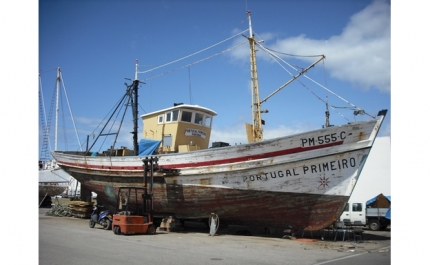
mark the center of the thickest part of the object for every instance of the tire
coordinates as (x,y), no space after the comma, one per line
(92,224)
(151,230)
(117,230)
(107,224)
(374,225)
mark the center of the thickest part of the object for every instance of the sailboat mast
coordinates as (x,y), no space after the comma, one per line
(57,108)
(257,127)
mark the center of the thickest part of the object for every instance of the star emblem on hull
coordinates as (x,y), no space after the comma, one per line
(324,182)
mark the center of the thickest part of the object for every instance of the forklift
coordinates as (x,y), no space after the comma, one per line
(134,205)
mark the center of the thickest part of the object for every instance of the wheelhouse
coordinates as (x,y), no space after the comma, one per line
(180,128)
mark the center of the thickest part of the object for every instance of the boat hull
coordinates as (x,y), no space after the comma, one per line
(53,181)
(301,181)
(51,189)
(305,194)
(233,206)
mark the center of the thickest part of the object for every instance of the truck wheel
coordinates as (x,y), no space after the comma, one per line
(374,225)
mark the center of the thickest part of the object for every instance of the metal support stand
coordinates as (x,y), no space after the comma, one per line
(213,224)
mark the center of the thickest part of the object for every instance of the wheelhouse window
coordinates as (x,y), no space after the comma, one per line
(186,116)
(192,117)
(208,121)
(168,117)
(175,115)
(198,119)
(172,116)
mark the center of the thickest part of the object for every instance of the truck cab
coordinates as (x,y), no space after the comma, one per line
(354,211)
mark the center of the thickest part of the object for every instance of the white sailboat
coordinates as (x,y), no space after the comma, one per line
(53,180)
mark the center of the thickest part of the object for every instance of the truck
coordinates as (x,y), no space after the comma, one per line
(374,213)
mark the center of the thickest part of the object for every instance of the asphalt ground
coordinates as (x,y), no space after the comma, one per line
(69,240)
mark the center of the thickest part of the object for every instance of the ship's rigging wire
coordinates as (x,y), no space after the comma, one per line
(192,53)
(196,62)
(272,54)
(294,55)
(46,146)
(70,110)
(46,121)
(188,65)
(277,59)
(269,51)
(111,113)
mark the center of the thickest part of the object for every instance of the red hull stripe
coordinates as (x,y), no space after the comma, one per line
(211,162)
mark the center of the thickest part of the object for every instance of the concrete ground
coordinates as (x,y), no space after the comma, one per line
(69,240)
(328,239)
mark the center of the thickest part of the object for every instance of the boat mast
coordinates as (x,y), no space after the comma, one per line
(135,109)
(257,128)
(57,108)
(135,86)
(327,114)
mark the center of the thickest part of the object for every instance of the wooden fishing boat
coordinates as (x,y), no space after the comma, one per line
(301,181)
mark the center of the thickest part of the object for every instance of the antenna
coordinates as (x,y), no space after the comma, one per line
(189,84)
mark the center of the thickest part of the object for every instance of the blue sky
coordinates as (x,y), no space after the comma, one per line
(96,43)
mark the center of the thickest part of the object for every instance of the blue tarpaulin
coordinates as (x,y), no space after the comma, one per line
(147,146)
(388,214)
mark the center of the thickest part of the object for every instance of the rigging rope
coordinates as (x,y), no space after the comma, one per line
(276,58)
(294,55)
(120,107)
(70,110)
(196,62)
(191,54)
(273,55)
(63,121)
(46,121)
(44,155)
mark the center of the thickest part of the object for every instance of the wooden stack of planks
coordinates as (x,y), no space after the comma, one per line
(81,209)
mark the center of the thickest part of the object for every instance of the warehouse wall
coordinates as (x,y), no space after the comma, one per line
(376,175)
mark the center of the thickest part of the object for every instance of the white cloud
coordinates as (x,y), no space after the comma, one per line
(361,54)
(282,130)
(233,135)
